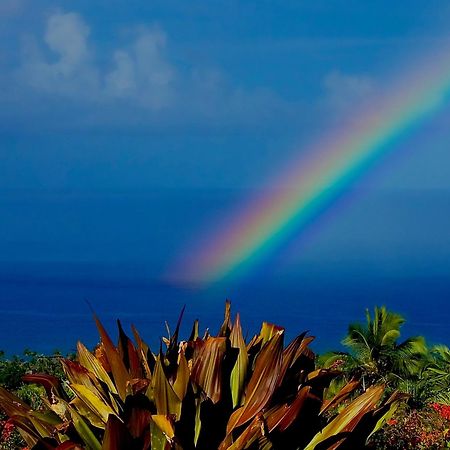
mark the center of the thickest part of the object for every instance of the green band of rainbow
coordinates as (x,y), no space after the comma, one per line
(336,160)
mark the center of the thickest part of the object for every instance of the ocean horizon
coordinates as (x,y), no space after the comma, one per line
(51,311)
(111,251)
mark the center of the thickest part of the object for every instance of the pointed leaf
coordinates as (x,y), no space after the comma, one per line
(165,425)
(166,400)
(118,369)
(239,372)
(226,325)
(207,366)
(90,362)
(342,395)
(268,330)
(96,404)
(262,383)
(349,417)
(84,431)
(182,380)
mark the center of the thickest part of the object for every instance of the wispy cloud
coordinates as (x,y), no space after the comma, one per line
(342,91)
(136,82)
(69,70)
(142,72)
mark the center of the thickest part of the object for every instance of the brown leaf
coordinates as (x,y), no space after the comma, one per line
(226,325)
(116,435)
(342,395)
(349,417)
(118,369)
(207,366)
(262,383)
(283,416)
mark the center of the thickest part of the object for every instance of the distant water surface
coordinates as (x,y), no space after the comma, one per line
(59,251)
(49,315)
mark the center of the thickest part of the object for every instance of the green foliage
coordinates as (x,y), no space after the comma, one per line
(214,392)
(12,371)
(375,354)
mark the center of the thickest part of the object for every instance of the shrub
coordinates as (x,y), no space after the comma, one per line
(205,393)
(412,429)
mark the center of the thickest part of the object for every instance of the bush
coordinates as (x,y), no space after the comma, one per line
(205,393)
(12,371)
(412,429)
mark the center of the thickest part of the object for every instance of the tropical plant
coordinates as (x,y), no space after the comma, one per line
(431,384)
(210,392)
(375,353)
(12,370)
(415,429)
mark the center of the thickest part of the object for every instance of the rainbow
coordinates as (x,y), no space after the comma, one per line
(310,182)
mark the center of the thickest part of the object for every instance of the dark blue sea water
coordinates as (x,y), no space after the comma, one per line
(51,314)
(59,251)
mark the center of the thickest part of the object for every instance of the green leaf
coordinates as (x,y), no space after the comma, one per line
(95,403)
(166,400)
(84,431)
(239,372)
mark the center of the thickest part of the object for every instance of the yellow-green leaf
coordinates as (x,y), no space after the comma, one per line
(95,403)
(349,417)
(239,372)
(84,431)
(88,360)
(165,425)
(182,380)
(166,400)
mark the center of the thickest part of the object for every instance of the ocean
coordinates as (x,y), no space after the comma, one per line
(48,315)
(61,252)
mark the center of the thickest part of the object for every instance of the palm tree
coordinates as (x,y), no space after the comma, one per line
(375,353)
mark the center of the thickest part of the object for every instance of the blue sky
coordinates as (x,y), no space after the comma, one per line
(108,98)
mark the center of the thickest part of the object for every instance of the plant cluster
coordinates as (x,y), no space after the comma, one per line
(12,372)
(412,429)
(209,392)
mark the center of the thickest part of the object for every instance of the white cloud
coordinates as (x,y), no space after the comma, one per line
(344,90)
(69,71)
(142,73)
(135,83)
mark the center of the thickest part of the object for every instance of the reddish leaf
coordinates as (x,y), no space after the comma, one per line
(118,369)
(342,395)
(207,366)
(51,384)
(262,383)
